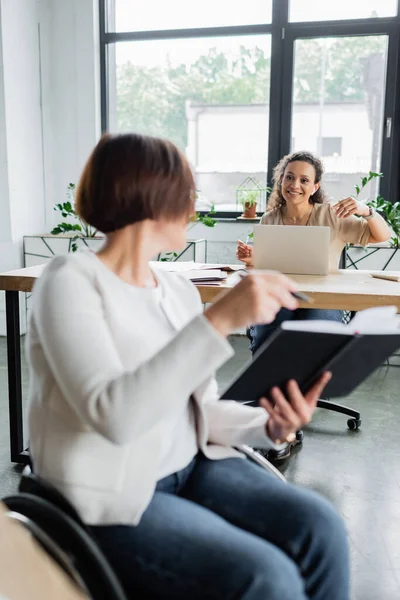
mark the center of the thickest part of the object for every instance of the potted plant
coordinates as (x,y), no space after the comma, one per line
(248,200)
(251,195)
(77,230)
(391,213)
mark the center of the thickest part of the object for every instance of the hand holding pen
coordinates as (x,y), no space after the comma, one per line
(257,298)
(244,253)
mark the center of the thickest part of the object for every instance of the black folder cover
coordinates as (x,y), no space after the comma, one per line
(304,355)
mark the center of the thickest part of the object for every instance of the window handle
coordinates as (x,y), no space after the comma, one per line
(389,127)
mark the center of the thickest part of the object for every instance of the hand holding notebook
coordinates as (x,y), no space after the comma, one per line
(289,412)
(303,350)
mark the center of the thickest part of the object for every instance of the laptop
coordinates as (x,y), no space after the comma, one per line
(292,250)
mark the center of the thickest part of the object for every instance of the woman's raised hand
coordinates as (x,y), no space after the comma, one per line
(255,299)
(350,206)
(244,253)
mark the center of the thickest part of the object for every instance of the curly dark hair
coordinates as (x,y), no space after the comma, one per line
(276,201)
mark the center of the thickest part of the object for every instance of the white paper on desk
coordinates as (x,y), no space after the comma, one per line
(373,321)
(173,266)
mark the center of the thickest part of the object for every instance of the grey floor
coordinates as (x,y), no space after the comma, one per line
(358,471)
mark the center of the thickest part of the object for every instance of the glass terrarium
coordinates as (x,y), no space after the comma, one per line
(251,197)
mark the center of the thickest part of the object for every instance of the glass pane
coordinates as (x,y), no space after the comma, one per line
(316,10)
(338,105)
(210,96)
(135,15)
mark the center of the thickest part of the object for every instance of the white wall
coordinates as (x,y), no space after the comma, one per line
(70,92)
(49,113)
(23,116)
(21,172)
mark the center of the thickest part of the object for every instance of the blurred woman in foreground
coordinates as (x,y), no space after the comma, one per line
(125,418)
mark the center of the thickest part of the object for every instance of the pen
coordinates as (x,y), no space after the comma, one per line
(387,277)
(298,295)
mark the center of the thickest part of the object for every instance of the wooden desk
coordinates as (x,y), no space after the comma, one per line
(344,290)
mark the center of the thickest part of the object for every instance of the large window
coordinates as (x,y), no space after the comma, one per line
(136,15)
(338,106)
(209,96)
(237,86)
(322,10)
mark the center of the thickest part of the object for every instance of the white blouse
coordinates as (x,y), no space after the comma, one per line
(112,371)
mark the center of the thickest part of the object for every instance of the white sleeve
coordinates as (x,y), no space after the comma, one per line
(232,424)
(81,354)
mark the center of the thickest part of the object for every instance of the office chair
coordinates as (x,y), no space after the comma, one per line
(57,527)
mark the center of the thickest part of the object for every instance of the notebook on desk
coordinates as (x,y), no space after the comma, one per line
(303,350)
(205,275)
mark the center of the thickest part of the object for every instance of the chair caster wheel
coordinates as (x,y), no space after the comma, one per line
(299,436)
(353,423)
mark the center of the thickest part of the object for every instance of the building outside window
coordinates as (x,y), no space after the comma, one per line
(202,78)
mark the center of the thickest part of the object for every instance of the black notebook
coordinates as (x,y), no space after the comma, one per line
(303,350)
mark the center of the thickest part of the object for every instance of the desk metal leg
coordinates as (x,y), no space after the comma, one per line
(14,379)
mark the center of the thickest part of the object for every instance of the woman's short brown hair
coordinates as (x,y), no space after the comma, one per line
(130,178)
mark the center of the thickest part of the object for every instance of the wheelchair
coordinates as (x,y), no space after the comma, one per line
(57,527)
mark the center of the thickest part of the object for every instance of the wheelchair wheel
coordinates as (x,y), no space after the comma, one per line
(84,557)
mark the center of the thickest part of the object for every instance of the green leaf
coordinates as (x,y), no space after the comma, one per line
(168,257)
(208,221)
(56,231)
(357,189)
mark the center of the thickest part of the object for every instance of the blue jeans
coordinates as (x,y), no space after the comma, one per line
(259,333)
(226,529)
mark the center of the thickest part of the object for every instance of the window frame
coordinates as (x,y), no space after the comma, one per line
(284,33)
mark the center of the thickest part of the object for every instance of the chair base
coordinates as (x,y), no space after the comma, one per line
(353,423)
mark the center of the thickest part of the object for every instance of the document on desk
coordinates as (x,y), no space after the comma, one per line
(173,266)
(190,265)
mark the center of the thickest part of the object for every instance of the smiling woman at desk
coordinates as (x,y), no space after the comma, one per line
(297,199)
(125,418)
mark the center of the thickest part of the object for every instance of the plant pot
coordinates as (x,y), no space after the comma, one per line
(250,211)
